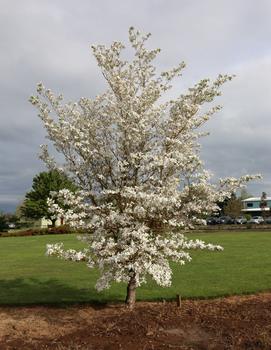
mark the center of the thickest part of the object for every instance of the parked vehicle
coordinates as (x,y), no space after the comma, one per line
(256,220)
(240,220)
(268,220)
(212,220)
(226,220)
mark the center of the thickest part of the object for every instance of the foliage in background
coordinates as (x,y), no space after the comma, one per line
(3,222)
(244,194)
(38,231)
(35,205)
(233,206)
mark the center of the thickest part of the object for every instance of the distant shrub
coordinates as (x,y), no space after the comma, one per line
(59,230)
(38,231)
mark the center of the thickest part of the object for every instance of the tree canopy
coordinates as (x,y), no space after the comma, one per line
(3,222)
(136,161)
(35,205)
(233,206)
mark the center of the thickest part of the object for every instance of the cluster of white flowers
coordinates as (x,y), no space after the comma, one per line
(136,162)
(69,254)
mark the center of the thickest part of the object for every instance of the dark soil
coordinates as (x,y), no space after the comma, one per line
(228,323)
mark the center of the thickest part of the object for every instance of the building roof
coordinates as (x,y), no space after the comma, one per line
(251,199)
(255,209)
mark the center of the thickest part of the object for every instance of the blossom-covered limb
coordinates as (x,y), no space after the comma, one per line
(136,161)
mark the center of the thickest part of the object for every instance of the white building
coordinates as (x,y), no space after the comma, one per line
(253,207)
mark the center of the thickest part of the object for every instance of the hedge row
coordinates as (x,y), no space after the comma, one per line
(259,227)
(38,232)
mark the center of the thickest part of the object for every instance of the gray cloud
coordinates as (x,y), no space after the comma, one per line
(50,41)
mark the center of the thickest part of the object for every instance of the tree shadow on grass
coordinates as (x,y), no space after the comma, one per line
(33,291)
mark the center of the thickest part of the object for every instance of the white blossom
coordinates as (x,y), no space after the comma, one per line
(136,161)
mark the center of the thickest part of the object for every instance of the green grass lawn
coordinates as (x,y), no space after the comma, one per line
(28,276)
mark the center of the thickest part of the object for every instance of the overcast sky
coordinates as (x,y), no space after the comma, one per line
(49,41)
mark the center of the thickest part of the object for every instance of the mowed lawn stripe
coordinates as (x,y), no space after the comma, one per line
(27,276)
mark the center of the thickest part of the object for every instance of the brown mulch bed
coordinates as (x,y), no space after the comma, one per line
(227,323)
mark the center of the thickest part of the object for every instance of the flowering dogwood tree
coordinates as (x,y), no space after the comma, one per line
(136,162)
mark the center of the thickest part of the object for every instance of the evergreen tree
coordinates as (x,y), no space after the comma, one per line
(35,204)
(3,222)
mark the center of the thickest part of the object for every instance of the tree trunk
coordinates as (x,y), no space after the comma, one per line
(53,222)
(131,292)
